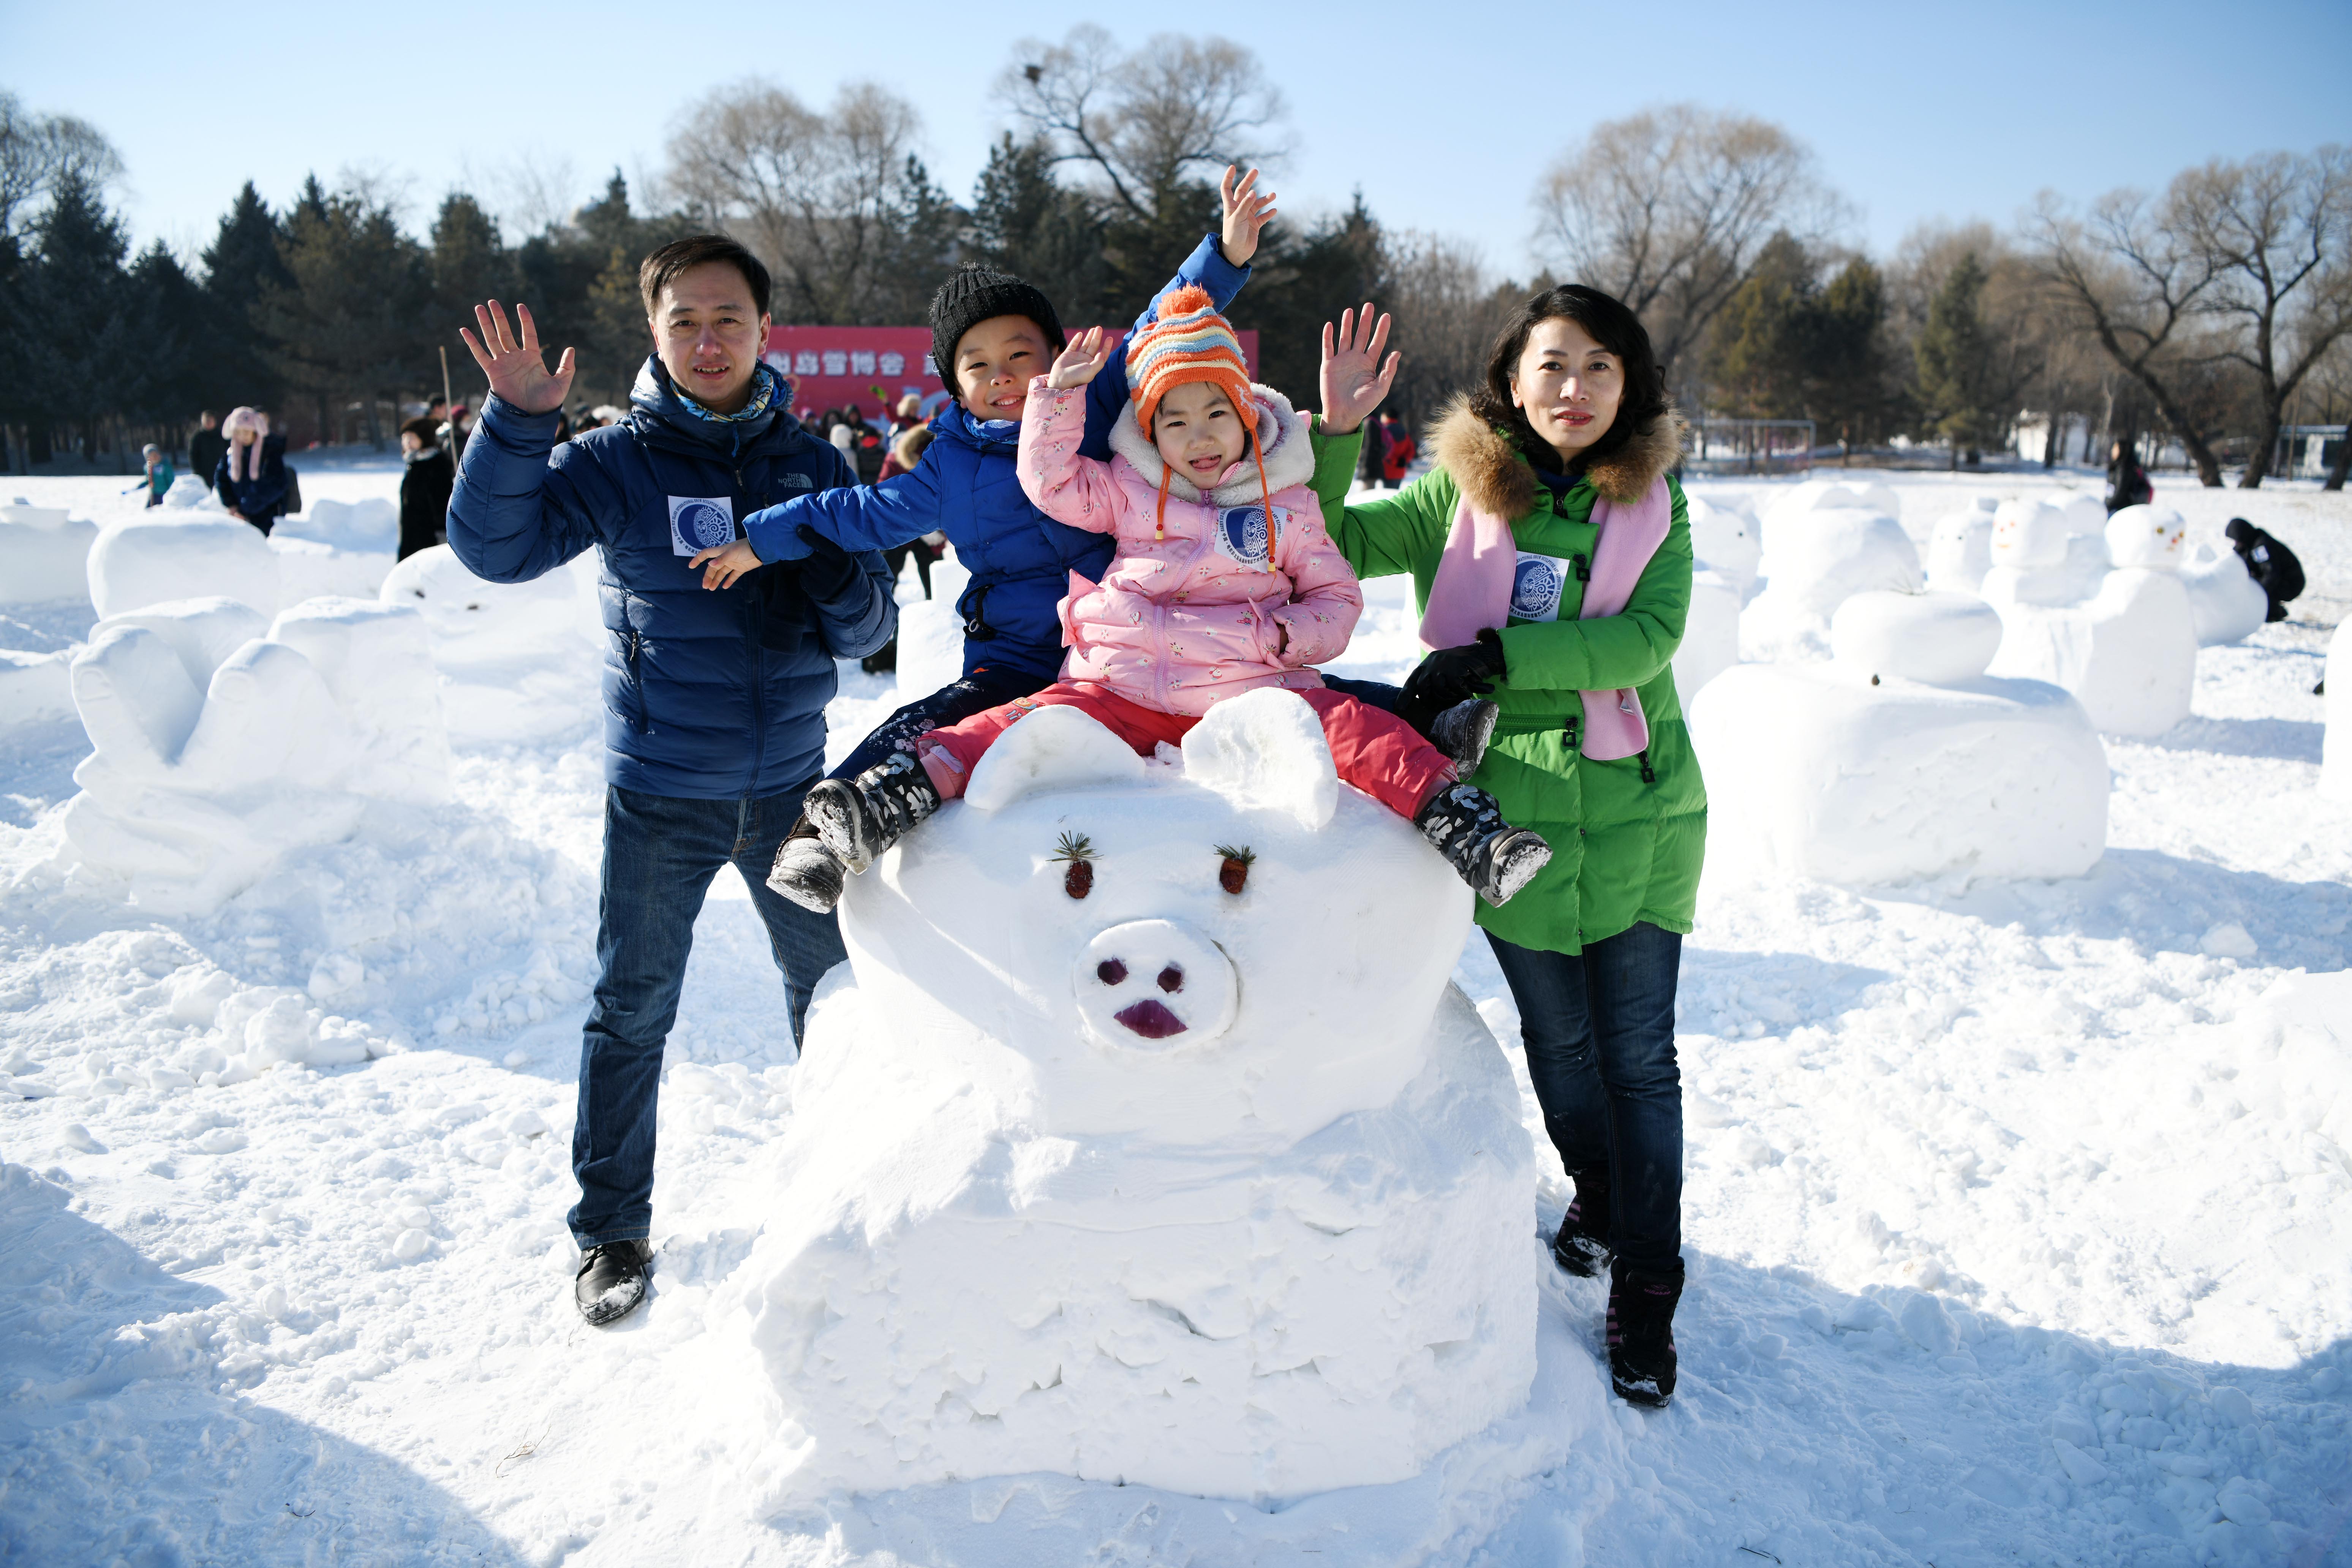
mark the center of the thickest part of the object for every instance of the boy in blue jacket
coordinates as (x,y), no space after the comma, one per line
(990,334)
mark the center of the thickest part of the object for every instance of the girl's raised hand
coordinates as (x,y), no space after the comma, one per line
(517,369)
(1076,365)
(1246,213)
(1354,379)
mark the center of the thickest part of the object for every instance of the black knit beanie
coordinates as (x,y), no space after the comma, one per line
(971,295)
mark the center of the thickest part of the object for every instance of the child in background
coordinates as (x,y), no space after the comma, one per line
(991,334)
(1222,582)
(159,474)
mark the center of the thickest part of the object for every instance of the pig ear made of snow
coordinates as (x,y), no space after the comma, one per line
(1265,751)
(1053,748)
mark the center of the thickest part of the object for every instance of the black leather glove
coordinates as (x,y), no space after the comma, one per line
(1452,674)
(829,570)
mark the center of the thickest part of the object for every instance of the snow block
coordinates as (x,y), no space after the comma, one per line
(1221,1193)
(44,554)
(152,559)
(1710,642)
(35,688)
(516,660)
(215,755)
(1814,560)
(2335,743)
(2225,603)
(2128,654)
(1856,772)
(309,569)
(930,633)
(1725,538)
(1790,506)
(368,527)
(1960,550)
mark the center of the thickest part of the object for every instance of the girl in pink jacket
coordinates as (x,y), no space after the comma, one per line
(1223,580)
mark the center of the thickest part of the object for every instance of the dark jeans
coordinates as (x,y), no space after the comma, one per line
(660,854)
(1377,694)
(982,687)
(1600,1033)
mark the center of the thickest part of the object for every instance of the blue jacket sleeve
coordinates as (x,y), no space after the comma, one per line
(901,509)
(864,613)
(1106,395)
(513,515)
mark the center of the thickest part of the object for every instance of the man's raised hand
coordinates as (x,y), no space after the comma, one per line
(1078,364)
(518,371)
(1246,213)
(1354,379)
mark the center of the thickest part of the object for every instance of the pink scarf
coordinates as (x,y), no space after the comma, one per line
(245,453)
(1472,592)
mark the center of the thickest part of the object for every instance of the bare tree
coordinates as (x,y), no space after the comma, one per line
(2277,232)
(815,195)
(37,150)
(1144,123)
(1668,208)
(2129,278)
(1445,303)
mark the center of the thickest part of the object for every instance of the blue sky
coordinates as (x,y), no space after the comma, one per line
(1445,115)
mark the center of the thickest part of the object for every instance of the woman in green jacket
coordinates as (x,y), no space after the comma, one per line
(1551,552)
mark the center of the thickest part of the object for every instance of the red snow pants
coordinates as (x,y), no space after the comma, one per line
(1378,753)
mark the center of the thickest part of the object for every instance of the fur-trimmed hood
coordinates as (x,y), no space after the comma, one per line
(1496,479)
(1281,429)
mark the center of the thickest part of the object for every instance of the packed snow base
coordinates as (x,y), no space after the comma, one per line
(1976,1169)
(1220,1192)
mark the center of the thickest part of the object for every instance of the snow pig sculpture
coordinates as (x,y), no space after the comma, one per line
(2123,641)
(1151,1142)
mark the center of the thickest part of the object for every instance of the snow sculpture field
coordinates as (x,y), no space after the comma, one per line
(221,743)
(2012,1207)
(1218,1191)
(1899,759)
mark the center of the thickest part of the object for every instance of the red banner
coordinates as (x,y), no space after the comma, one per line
(873,367)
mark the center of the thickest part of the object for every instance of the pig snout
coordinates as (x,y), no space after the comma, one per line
(1155,984)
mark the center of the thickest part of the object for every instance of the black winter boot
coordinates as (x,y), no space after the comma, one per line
(1581,1248)
(1641,1333)
(612,1280)
(806,871)
(857,819)
(1464,825)
(1462,730)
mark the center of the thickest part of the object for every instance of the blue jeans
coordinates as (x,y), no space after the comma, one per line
(1377,694)
(1600,1033)
(660,854)
(982,687)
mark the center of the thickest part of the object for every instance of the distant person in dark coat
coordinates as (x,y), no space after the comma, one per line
(251,478)
(2127,482)
(2268,563)
(206,447)
(425,487)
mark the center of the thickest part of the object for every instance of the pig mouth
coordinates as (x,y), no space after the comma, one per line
(1152,1019)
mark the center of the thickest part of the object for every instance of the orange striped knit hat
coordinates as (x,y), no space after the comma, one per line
(1189,341)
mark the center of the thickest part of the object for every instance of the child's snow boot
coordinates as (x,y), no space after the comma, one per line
(1581,1248)
(806,872)
(1464,825)
(612,1280)
(859,818)
(1641,1333)
(1462,730)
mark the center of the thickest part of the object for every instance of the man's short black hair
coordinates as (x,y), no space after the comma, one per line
(664,266)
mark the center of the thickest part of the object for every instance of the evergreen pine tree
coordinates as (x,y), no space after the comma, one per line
(237,364)
(1955,357)
(80,335)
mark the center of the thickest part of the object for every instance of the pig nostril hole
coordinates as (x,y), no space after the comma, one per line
(1171,979)
(1111,972)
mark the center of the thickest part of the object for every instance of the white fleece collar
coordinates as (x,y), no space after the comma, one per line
(1289,455)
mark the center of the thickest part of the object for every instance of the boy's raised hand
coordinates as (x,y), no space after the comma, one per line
(517,369)
(1078,364)
(1354,379)
(1246,213)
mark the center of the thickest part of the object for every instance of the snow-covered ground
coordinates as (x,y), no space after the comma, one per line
(2018,1216)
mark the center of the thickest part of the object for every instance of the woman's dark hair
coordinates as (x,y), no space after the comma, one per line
(1614,328)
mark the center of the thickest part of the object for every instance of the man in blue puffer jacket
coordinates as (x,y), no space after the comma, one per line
(714,703)
(991,333)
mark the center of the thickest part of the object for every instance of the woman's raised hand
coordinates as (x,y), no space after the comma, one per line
(1246,213)
(518,371)
(1354,379)
(1076,365)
